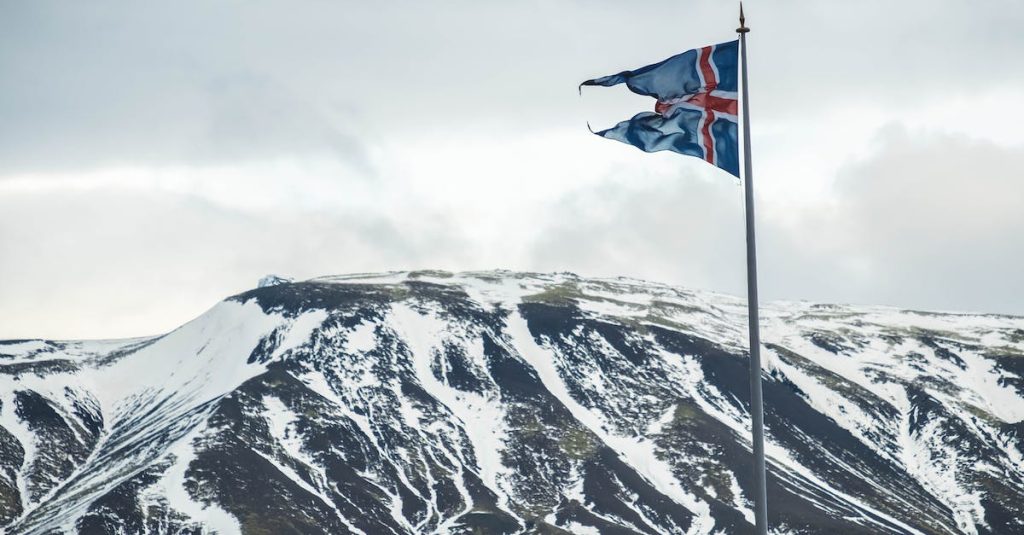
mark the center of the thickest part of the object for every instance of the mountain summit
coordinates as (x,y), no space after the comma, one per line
(501,402)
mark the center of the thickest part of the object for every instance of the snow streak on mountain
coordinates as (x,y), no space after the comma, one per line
(501,402)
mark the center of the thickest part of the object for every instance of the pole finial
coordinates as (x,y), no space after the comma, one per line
(743,22)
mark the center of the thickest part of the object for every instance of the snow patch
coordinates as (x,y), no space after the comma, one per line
(362,338)
(172,486)
(637,453)
(482,419)
(273,280)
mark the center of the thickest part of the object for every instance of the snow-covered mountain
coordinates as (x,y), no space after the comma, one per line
(501,402)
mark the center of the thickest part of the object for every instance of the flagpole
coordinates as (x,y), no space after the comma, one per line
(756,404)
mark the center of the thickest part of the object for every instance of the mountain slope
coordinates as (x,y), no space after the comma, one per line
(501,402)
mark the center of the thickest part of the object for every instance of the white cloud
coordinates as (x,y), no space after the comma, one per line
(107,263)
(154,158)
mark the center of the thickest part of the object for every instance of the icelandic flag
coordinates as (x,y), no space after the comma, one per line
(696,109)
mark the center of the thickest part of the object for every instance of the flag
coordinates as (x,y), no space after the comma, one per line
(696,108)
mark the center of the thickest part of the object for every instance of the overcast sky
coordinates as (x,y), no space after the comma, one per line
(157,157)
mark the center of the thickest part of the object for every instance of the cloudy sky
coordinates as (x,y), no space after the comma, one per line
(156,157)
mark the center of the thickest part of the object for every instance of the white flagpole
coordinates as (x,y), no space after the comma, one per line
(756,405)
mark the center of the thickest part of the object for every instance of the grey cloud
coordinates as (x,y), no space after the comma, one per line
(676,229)
(926,221)
(100,82)
(88,85)
(936,222)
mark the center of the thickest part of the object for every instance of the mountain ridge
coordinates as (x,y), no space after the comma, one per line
(503,402)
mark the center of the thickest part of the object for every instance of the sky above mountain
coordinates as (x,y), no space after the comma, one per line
(156,158)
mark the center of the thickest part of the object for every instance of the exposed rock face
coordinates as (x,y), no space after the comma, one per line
(514,403)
